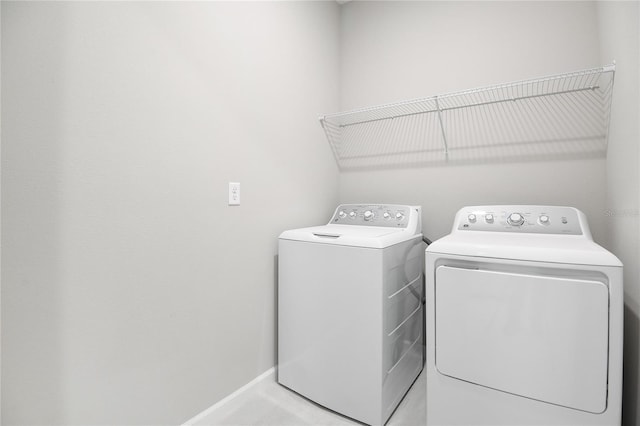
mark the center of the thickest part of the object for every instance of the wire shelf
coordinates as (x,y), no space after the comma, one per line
(554,117)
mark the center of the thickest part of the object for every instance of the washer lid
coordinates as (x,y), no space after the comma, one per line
(347,235)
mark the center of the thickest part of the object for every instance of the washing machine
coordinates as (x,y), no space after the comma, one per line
(350,309)
(524,321)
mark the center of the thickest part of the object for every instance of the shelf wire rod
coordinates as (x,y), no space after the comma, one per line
(522,126)
(325,127)
(413,133)
(425,134)
(494,117)
(495,110)
(486,130)
(560,125)
(485,112)
(592,110)
(608,95)
(550,120)
(511,98)
(444,136)
(365,135)
(410,135)
(578,113)
(475,128)
(380,135)
(595,111)
(513,120)
(516,121)
(388,117)
(598,99)
(514,99)
(566,127)
(486,119)
(500,92)
(529,126)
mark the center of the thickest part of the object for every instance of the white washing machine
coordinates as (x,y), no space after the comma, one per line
(524,321)
(350,309)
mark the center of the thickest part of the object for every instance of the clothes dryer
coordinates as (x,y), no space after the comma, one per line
(524,321)
(350,309)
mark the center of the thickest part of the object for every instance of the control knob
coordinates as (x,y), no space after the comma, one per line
(515,219)
(544,219)
(399,215)
(368,215)
(488,218)
(352,215)
(472,217)
(342,214)
(386,215)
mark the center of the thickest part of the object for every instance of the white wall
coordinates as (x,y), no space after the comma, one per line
(393,51)
(0,220)
(619,25)
(403,50)
(131,292)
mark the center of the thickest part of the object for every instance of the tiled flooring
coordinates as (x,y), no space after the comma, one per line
(268,403)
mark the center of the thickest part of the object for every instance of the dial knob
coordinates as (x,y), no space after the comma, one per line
(342,214)
(515,219)
(386,215)
(368,215)
(488,218)
(352,215)
(544,219)
(399,215)
(472,217)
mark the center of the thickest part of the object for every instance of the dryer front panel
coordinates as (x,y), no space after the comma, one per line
(540,337)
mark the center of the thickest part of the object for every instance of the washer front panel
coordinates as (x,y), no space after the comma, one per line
(524,334)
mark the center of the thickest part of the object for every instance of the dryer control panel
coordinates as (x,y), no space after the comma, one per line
(522,219)
(387,215)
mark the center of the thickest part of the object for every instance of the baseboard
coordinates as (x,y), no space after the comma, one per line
(223,401)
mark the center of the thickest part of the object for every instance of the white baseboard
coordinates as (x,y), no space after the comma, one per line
(223,401)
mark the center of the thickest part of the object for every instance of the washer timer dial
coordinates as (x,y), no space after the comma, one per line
(515,219)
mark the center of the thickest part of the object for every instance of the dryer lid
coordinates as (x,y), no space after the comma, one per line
(567,249)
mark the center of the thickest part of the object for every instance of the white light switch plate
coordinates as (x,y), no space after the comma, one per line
(234,193)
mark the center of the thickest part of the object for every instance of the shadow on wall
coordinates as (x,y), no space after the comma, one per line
(496,153)
(631,355)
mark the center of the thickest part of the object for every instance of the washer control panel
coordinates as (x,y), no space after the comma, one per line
(520,219)
(387,215)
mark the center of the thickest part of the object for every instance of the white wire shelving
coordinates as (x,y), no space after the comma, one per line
(554,117)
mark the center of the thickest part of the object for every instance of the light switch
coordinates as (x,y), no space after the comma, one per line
(234,193)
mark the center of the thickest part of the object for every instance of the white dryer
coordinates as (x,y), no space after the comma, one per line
(350,309)
(524,321)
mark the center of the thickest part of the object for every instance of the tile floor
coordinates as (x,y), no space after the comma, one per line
(268,403)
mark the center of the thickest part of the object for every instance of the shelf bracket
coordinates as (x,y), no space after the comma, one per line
(444,136)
